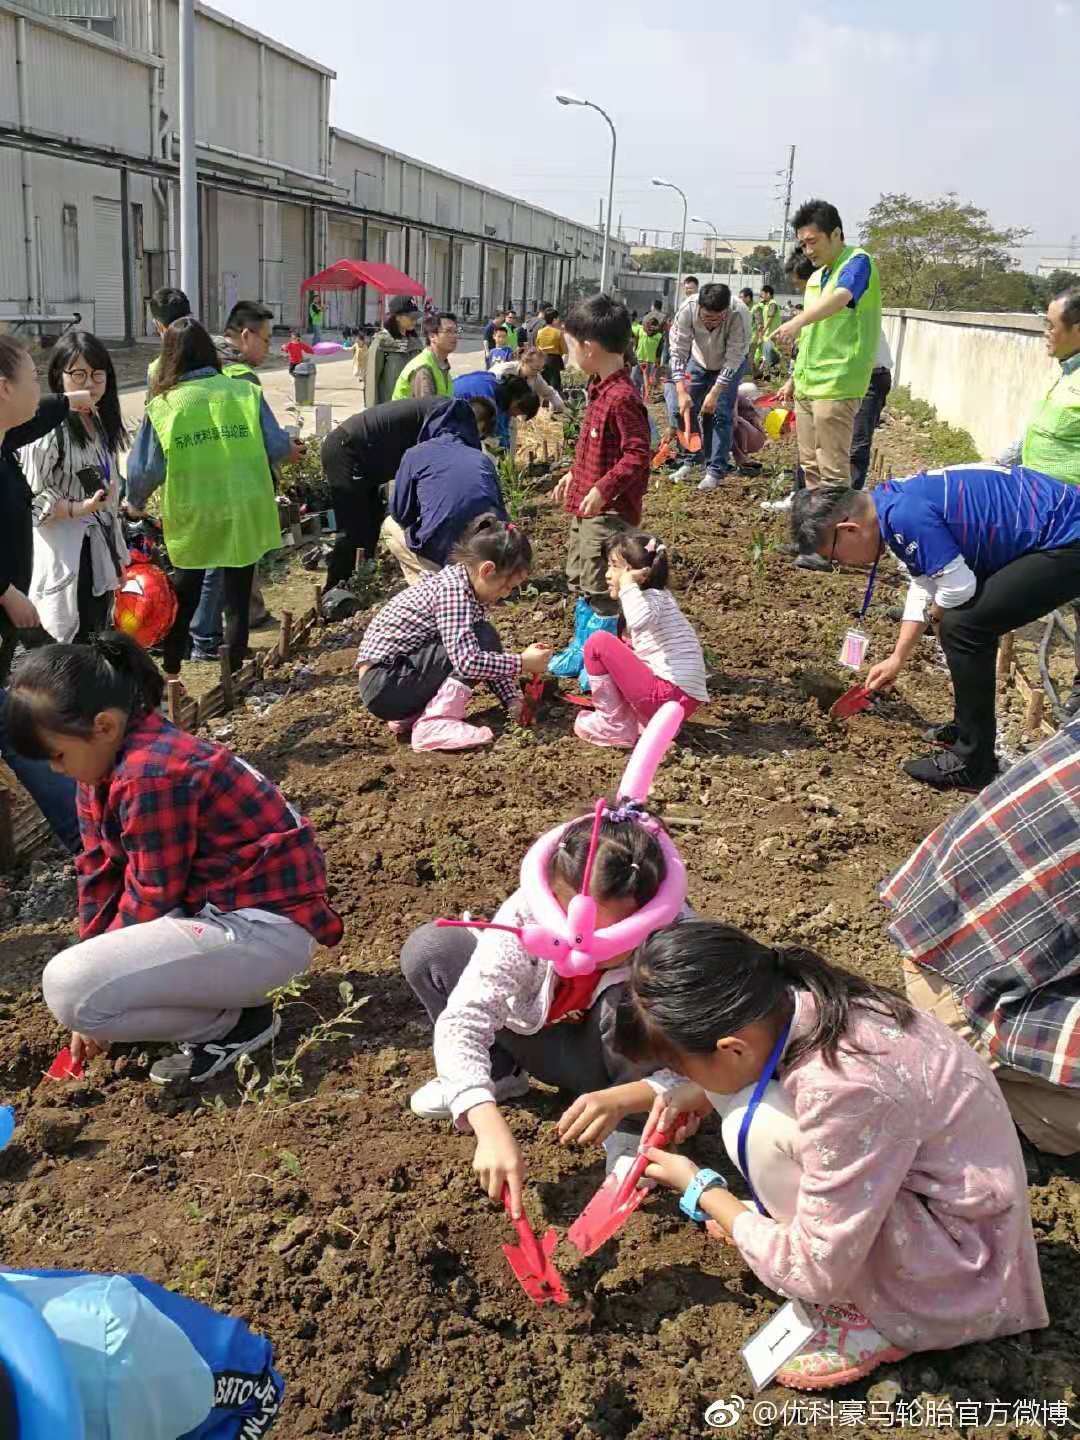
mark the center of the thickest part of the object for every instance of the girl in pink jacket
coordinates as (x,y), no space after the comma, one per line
(887,1176)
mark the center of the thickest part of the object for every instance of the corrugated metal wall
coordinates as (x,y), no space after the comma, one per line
(88,92)
(129,16)
(9,103)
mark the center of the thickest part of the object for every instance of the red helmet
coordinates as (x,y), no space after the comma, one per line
(145,604)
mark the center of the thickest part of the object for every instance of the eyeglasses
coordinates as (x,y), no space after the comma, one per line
(84,377)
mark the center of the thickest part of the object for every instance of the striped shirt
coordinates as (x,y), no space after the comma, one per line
(663,638)
(443,607)
(990,902)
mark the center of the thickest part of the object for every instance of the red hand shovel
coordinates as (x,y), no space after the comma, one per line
(690,435)
(530,1260)
(851,702)
(533,693)
(65,1068)
(616,1200)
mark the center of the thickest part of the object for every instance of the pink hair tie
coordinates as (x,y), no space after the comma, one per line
(650,548)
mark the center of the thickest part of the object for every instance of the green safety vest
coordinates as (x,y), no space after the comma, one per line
(648,347)
(757,311)
(836,355)
(217,507)
(511,337)
(443,383)
(1052,438)
(241,370)
(770,318)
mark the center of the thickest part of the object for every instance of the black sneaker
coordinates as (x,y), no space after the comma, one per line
(196,1063)
(1072,704)
(810,561)
(945,770)
(946,734)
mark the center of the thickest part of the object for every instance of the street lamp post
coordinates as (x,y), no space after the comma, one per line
(564,99)
(667,185)
(700,220)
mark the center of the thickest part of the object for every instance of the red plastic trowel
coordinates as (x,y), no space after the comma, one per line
(530,1260)
(616,1200)
(851,702)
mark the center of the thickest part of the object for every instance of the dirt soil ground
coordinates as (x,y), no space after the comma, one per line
(353,1233)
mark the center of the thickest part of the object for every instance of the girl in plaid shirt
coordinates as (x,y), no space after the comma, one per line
(201,889)
(420,651)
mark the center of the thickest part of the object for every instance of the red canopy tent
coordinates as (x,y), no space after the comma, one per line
(351,274)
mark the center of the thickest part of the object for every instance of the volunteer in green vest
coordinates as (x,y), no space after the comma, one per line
(245,343)
(209,441)
(838,331)
(768,324)
(429,372)
(1051,442)
(515,332)
(315,315)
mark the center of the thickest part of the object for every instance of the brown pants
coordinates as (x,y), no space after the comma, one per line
(1048,1115)
(414,567)
(586,564)
(823,431)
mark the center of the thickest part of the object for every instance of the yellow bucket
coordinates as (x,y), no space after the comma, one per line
(775,422)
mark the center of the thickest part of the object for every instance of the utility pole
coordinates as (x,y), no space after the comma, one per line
(189,194)
(787,203)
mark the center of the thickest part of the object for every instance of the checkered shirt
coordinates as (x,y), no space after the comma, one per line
(613,449)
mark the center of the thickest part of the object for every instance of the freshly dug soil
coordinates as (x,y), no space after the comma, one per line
(353,1233)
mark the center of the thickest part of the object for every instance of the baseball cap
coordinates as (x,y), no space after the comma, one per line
(402,305)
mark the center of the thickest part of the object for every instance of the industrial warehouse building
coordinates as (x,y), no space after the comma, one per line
(89,156)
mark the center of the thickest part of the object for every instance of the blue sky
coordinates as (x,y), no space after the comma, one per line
(918,97)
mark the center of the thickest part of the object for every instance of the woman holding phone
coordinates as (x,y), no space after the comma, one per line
(79,547)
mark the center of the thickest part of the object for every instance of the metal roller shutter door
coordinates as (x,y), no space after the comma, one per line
(294,263)
(108,270)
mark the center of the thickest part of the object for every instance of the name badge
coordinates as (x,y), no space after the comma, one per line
(779,1340)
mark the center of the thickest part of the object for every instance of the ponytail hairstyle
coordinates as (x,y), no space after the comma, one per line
(185,346)
(629,861)
(488,538)
(81,345)
(696,983)
(641,552)
(61,688)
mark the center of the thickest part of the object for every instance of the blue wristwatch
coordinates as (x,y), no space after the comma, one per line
(688,1202)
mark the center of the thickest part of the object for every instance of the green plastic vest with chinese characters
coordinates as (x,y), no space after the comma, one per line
(217,504)
(836,355)
(1052,438)
(443,384)
(770,317)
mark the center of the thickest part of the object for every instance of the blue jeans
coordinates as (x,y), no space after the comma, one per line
(502,428)
(716,429)
(316,334)
(53,794)
(207,625)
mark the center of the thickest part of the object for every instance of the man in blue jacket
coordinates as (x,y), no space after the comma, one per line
(988,549)
(512,396)
(443,482)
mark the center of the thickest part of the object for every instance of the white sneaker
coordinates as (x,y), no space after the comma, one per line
(678,476)
(776,505)
(430,1100)
(711,481)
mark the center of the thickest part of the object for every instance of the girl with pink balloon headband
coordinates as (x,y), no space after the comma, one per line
(536,990)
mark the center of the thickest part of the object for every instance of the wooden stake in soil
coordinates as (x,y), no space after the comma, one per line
(7,830)
(175,699)
(318,604)
(1033,717)
(1005,657)
(228,696)
(285,638)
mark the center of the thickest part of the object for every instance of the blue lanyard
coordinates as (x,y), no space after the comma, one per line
(869,589)
(755,1100)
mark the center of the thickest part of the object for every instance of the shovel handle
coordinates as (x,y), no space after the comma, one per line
(526,1237)
(655,1138)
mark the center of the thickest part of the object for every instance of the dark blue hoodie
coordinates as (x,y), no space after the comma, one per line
(443,482)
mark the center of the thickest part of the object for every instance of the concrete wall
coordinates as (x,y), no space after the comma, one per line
(983,373)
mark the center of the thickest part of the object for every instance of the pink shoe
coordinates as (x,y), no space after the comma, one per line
(845,1348)
(612,722)
(442,725)
(402,728)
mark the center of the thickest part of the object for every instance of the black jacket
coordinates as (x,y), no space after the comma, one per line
(16,522)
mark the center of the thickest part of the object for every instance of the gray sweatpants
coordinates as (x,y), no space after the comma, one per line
(179,978)
(576,1057)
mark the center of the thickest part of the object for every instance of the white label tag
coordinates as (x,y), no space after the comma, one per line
(778,1341)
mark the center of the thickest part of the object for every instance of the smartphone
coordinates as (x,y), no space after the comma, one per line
(90,480)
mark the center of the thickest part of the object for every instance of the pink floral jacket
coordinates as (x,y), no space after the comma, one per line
(913,1204)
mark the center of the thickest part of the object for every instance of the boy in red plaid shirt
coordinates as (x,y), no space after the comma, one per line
(201,889)
(603,493)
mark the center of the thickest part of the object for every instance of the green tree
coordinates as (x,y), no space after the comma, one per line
(764,261)
(666,262)
(942,254)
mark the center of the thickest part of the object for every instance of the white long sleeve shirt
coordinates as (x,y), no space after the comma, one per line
(953,586)
(662,637)
(723,349)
